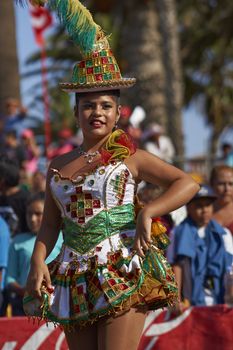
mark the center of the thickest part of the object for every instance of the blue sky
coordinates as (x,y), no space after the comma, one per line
(196,133)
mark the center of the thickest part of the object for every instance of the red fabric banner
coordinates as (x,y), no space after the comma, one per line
(41,19)
(199,328)
(17,333)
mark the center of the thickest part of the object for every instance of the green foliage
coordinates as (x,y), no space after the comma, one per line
(206,32)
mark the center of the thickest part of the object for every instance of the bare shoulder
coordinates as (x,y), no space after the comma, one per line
(60,161)
(146,166)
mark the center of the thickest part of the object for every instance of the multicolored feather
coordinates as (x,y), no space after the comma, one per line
(78,21)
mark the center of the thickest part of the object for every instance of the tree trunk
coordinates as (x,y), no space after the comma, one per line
(172,67)
(9,74)
(141,48)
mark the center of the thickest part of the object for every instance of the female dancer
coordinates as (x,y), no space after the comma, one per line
(111,269)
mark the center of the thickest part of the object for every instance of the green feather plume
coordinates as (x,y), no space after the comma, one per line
(77,19)
(78,22)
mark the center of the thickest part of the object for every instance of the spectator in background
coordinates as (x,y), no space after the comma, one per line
(221,179)
(126,124)
(203,252)
(157,143)
(14,117)
(20,253)
(38,182)
(226,149)
(124,120)
(64,145)
(32,151)
(12,197)
(225,152)
(13,149)
(4,246)
(229,159)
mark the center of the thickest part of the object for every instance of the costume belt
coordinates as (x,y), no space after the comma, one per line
(105,224)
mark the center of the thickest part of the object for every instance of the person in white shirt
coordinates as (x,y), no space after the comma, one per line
(157,143)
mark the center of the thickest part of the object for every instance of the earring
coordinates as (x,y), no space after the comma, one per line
(77,122)
(115,126)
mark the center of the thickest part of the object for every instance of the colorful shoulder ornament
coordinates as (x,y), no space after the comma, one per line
(118,147)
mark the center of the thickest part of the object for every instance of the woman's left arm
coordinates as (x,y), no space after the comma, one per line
(178,187)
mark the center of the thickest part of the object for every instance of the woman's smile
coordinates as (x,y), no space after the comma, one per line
(97,123)
(97,114)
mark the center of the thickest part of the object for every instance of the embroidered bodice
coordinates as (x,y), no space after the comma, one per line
(96,206)
(97,272)
(82,199)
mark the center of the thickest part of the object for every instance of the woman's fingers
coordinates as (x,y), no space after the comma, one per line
(36,279)
(47,280)
(137,247)
(34,288)
(141,245)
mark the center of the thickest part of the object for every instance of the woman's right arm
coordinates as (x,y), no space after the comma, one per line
(45,242)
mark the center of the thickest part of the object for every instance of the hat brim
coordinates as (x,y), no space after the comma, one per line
(212,198)
(123,83)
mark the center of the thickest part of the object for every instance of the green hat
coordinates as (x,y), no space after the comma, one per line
(99,69)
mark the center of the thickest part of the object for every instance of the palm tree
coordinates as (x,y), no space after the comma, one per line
(142,58)
(151,46)
(9,74)
(173,75)
(207,56)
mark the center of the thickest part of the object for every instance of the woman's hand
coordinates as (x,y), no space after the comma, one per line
(143,233)
(38,274)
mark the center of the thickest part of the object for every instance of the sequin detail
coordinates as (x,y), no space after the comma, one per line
(97,272)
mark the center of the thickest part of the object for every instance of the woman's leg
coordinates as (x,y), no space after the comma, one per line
(122,332)
(83,339)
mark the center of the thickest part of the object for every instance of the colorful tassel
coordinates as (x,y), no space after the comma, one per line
(157,228)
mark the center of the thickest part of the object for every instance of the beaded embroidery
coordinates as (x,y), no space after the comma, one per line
(97,272)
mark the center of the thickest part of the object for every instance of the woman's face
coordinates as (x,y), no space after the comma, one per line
(34,215)
(97,114)
(223,185)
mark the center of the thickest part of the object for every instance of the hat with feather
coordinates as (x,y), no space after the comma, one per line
(98,69)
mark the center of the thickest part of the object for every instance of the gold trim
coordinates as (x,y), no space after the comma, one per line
(95,86)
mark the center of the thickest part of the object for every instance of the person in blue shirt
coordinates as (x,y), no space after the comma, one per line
(20,252)
(203,252)
(4,246)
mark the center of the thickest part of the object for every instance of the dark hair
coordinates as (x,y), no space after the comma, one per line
(9,171)
(226,145)
(115,93)
(40,196)
(11,133)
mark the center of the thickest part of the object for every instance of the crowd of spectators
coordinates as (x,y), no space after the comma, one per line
(201,233)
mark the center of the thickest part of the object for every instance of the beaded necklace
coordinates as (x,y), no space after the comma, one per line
(88,156)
